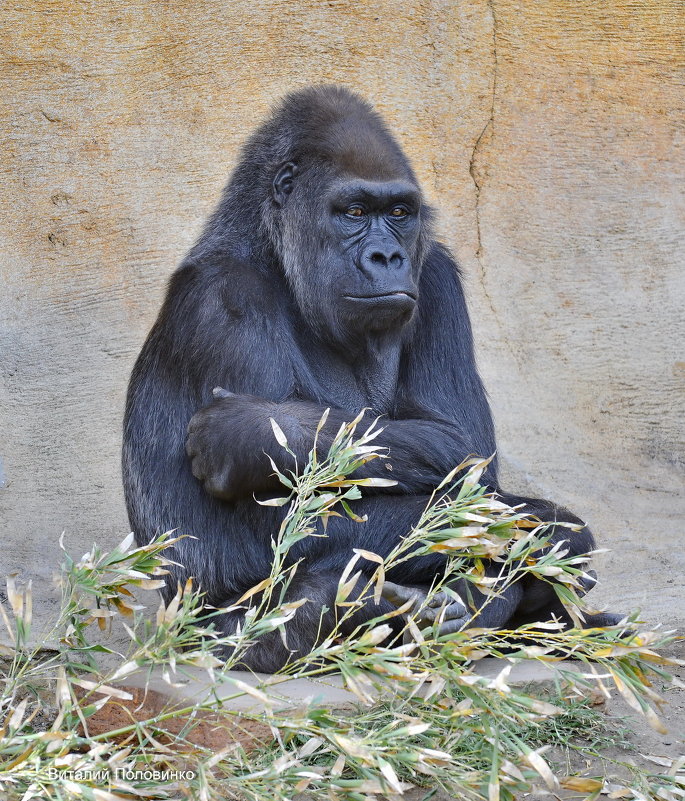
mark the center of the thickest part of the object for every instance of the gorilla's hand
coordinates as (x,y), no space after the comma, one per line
(442,609)
(226,443)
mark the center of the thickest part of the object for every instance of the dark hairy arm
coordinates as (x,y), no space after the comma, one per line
(228,442)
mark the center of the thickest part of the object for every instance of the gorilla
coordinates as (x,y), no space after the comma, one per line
(317,283)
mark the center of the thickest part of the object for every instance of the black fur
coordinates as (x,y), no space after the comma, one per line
(259,307)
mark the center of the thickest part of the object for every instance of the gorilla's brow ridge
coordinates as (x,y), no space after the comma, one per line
(379,193)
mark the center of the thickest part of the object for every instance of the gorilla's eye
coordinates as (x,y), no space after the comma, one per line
(399,213)
(354,211)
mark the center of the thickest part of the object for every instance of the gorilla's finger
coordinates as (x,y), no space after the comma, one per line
(198,470)
(398,594)
(446,611)
(453,625)
(191,446)
(440,599)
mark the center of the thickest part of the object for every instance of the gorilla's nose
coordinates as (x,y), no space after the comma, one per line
(382,257)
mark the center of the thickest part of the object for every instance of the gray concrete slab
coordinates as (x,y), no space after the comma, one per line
(241,690)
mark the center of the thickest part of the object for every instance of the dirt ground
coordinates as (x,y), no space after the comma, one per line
(636,742)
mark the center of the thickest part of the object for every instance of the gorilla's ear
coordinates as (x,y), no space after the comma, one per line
(283,182)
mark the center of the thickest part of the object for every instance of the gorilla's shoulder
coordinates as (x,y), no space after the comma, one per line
(224,285)
(440,280)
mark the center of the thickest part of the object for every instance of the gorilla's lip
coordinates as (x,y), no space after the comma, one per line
(396,295)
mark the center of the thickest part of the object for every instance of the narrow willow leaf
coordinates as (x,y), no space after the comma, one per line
(125,544)
(493,783)
(15,719)
(390,776)
(376,635)
(351,514)
(253,692)
(93,686)
(629,696)
(654,720)
(582,784)
(536,762)
(8,625)
(374,482)
(372,557)
(254,590)
(148,584)
(278,433)
(282,478)
(125,670)
(349,567)
(322,421)
(346,588)
(273,502)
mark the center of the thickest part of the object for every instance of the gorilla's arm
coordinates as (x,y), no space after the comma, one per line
(229,439)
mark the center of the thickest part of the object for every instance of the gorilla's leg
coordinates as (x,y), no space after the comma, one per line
(322,561)
(579,542)
(539,601)
(310,624)
(389,518)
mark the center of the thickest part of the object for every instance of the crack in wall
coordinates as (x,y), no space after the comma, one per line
(488,128)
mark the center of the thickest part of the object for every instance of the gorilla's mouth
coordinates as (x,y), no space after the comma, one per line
(401,295)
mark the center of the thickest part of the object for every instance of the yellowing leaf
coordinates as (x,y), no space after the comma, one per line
(654,720)
(254,590)
(17,716)
(372,557)
(582,784)
(536,762)
(374,482)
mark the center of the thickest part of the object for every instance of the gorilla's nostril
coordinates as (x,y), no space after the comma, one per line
(380,259)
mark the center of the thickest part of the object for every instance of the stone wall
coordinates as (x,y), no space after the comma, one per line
(550,135)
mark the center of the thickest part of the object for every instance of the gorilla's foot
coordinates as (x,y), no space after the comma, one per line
(449,613)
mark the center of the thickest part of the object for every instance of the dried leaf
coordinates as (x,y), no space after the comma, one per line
(15,719)
(390,776)
(103,688)
(581,784)
(254,590)
(253,692)
(278,433)
(654,720)
(273,502)
(374,482)
(15,598)
(538,764)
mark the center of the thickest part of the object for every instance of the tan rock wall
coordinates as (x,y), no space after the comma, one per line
(549,134)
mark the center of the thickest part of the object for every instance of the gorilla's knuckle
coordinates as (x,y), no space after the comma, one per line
(215,487)
(198,469)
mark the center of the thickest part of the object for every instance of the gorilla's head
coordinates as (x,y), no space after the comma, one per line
(342,211)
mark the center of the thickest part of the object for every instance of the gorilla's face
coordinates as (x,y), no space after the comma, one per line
(350,250)
(374,227)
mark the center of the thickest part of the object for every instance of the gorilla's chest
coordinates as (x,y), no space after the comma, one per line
(367,381)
